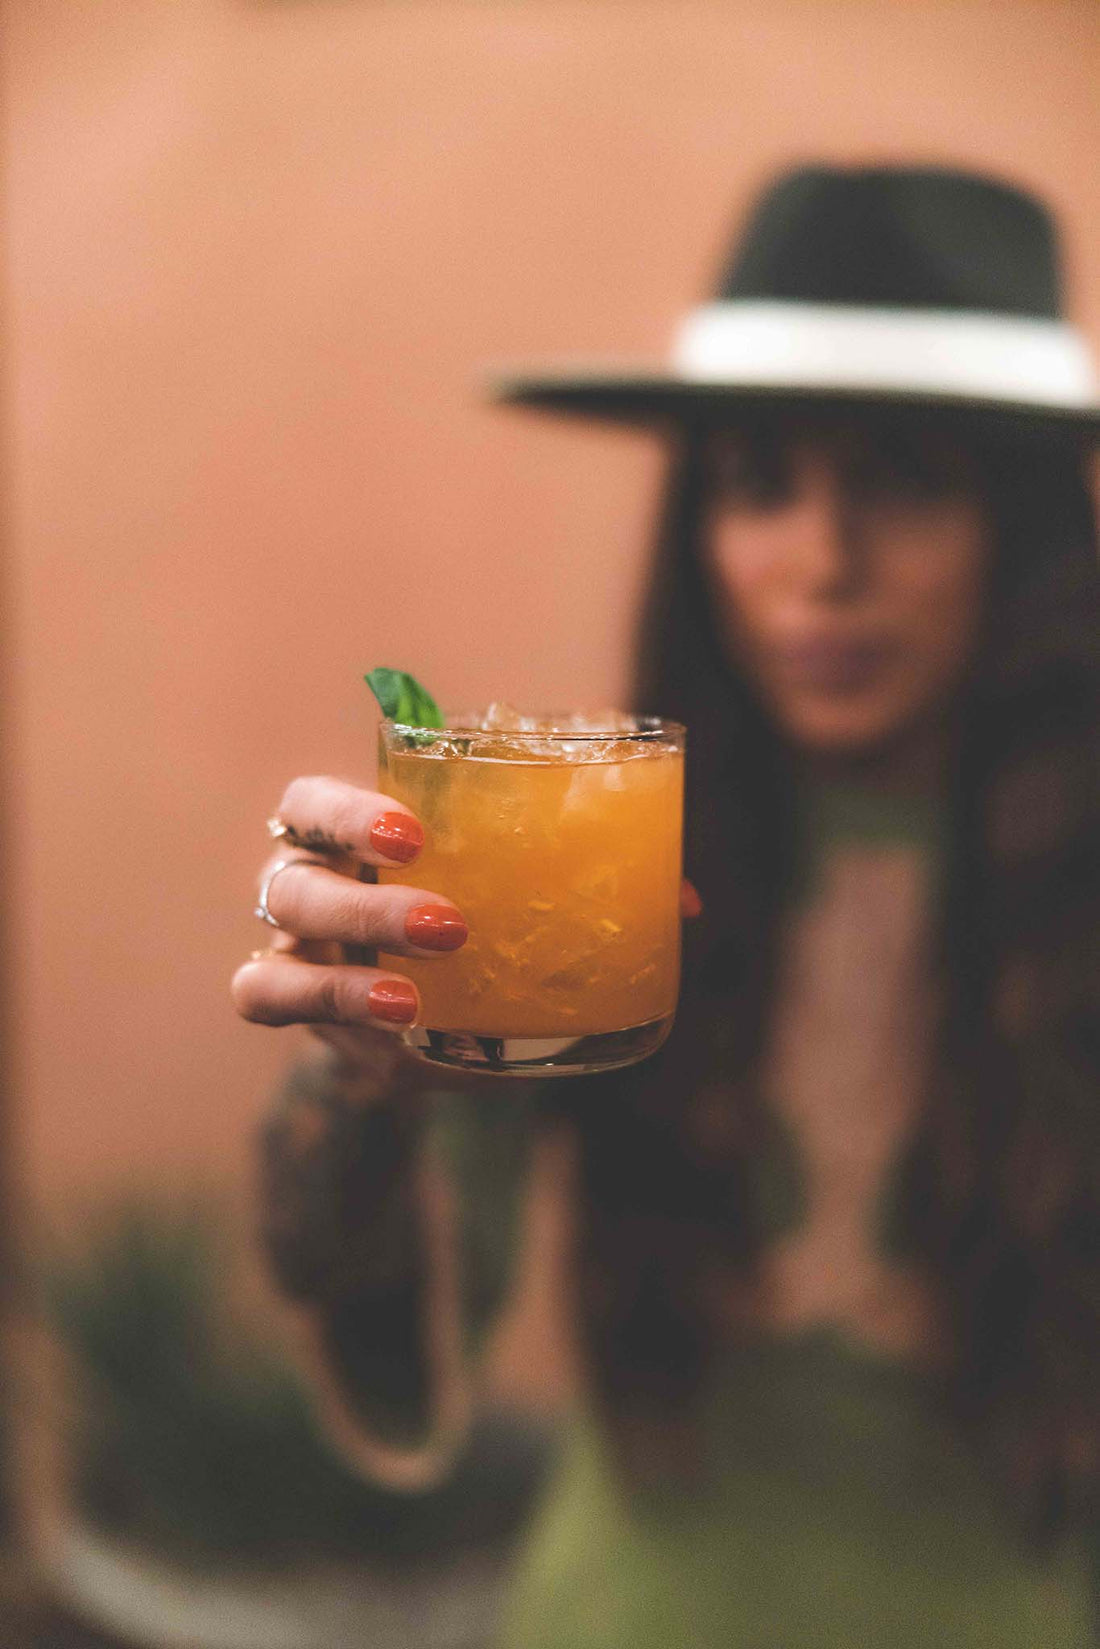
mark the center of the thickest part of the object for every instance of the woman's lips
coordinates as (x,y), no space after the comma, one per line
(832,664)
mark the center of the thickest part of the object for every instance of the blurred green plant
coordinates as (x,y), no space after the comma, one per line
(191,1435)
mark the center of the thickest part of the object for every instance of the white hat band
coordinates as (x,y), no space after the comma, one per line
(838,346)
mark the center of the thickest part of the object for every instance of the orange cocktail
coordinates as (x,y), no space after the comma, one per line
(560,844)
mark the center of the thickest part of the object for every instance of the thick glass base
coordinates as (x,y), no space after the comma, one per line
(538,1056)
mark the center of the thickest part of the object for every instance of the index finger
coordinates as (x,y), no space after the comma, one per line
(331,816)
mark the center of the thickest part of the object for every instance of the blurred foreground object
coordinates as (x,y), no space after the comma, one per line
(199,1507)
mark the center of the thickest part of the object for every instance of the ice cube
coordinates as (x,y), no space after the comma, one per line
(599,882)
(597,721)
(505,718)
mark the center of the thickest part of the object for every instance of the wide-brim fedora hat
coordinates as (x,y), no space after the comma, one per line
(906,287)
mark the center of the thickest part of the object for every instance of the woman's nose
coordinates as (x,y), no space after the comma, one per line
(828,547)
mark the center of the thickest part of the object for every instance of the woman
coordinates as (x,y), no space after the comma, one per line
(836,1266)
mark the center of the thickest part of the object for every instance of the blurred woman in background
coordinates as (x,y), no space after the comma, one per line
(835,1254)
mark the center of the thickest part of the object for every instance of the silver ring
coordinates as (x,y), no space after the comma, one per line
(261,909)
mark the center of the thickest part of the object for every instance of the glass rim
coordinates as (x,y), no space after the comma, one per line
(465,724)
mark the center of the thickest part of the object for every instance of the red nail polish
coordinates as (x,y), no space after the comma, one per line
(393,1000)
(397,836)
(435,927)
(690,903)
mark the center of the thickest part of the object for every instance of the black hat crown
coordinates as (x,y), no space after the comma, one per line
(915,238)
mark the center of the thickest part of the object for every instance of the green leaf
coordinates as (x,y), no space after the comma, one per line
(402,698)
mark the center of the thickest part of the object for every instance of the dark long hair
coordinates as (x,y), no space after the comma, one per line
(1001,1188)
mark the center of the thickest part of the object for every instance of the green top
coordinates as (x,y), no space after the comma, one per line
(839,1512)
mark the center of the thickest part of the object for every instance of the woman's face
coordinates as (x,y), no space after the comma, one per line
(849,570)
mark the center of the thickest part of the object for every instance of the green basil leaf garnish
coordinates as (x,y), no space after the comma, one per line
(403,700)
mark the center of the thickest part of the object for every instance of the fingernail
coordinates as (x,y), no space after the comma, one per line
(435,927)
(393,1000)
(690,903)
(397,836)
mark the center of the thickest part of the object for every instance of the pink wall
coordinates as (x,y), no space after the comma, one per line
(259,255)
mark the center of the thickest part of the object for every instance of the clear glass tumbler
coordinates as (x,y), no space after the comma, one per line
(560,842)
